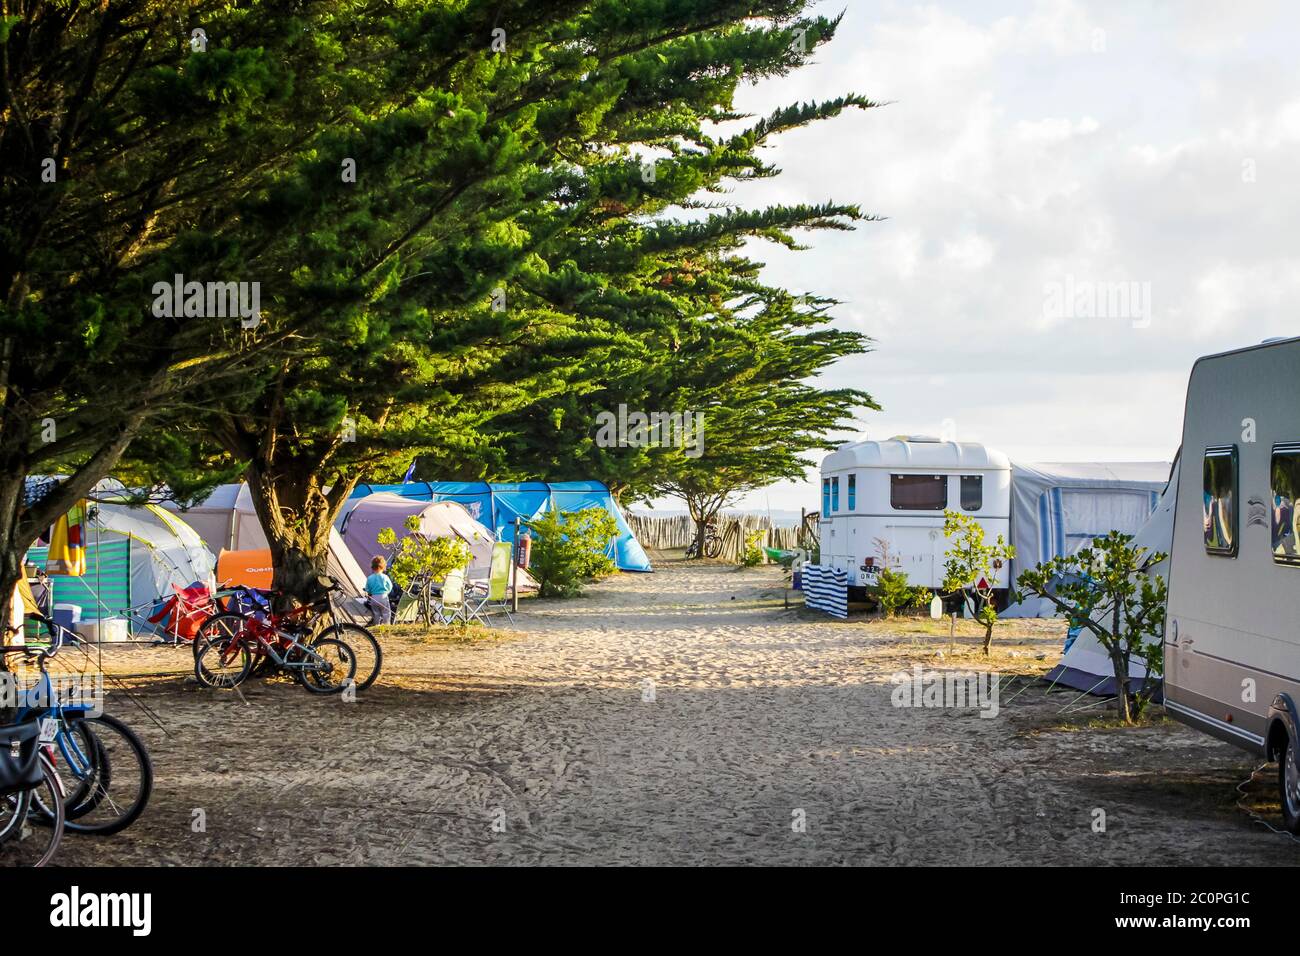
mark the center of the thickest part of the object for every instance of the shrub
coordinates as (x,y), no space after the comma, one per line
(569,549)
(1105,589)
(752,556)
(892,591)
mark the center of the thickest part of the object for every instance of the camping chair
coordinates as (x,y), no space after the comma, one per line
(494,596)
(450,604)
(182,614)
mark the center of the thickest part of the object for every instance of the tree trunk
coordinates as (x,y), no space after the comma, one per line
(297,516)
(1119,664)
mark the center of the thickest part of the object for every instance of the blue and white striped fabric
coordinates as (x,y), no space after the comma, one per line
(826,589)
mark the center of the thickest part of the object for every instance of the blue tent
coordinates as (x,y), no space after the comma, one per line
(497,506)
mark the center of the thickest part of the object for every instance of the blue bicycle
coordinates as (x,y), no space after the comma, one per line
(102,766)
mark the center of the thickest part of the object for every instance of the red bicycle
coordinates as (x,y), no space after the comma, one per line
(229,645)
(309,623)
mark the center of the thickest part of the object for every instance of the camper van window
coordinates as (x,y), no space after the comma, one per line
(972,492)
(918,492)
(826,497)
(835,494)
(1286,492)
(853,492)
(1220,501)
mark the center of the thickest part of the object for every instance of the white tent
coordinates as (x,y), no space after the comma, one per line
(1086,666)
(135,554)
(227,522)
(1056,509)
(225,519)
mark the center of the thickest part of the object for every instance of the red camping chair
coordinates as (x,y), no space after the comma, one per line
(184,612)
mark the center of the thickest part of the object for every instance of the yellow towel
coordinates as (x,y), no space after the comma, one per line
(67,554)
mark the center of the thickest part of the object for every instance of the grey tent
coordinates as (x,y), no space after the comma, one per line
(1085,665)
(1058,508)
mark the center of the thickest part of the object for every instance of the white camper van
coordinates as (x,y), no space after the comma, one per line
(1232,638)
(896,492)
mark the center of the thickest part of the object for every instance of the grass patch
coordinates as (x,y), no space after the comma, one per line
(459,633)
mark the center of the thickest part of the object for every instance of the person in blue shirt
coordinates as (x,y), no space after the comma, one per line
(378,586)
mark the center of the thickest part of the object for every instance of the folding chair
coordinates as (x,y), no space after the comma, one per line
(451,602)
(494,596)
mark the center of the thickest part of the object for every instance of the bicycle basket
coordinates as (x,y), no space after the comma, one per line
(20,765)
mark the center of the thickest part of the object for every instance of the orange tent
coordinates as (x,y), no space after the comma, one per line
(250,568)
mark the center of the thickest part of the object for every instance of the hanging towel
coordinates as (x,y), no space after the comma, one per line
(67,554)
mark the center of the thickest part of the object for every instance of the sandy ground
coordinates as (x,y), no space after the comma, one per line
(682,717)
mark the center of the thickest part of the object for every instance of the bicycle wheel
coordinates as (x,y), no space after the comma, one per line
(122,782)
(713,547)
(337,667)
(22,842)
(221,657)
(365,648)
(78,763)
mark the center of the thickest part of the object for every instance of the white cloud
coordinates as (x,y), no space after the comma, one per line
(1017,153)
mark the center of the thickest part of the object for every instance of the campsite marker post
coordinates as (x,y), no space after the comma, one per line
(514,573)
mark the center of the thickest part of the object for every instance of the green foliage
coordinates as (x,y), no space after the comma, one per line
(419,556)
(1105,589)
(569,549)
(921,598)
(970,561)
(752,556)
(892,591)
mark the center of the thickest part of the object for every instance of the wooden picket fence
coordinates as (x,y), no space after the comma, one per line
(675,533)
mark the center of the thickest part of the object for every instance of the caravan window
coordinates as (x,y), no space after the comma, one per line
(972,492)
(835,494)
(1219,512)
(918,492)
(1286,492)
(853,492)
(826,497)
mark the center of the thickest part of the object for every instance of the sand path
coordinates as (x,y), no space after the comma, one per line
(682,717)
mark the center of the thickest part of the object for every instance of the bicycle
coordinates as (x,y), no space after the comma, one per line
(26,772)
(712,544)
(301,622)
(229,644)
(104,769)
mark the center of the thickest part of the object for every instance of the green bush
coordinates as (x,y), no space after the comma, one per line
(569,549)
(892,591)
(752,556)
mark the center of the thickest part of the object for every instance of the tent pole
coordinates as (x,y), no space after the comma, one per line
(514,570)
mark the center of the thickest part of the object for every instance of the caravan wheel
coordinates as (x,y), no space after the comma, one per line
(1288,778)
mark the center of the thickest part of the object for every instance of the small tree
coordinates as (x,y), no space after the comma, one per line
(1104,589)
(970,568)
(570,548)
(418,558)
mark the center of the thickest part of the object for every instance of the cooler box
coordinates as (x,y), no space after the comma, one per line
(67,615)
(109,630)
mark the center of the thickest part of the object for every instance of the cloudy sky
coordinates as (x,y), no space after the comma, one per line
(1082,198)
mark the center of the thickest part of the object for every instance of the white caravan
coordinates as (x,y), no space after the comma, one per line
(880,496)
(1232,642)
(889,497)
